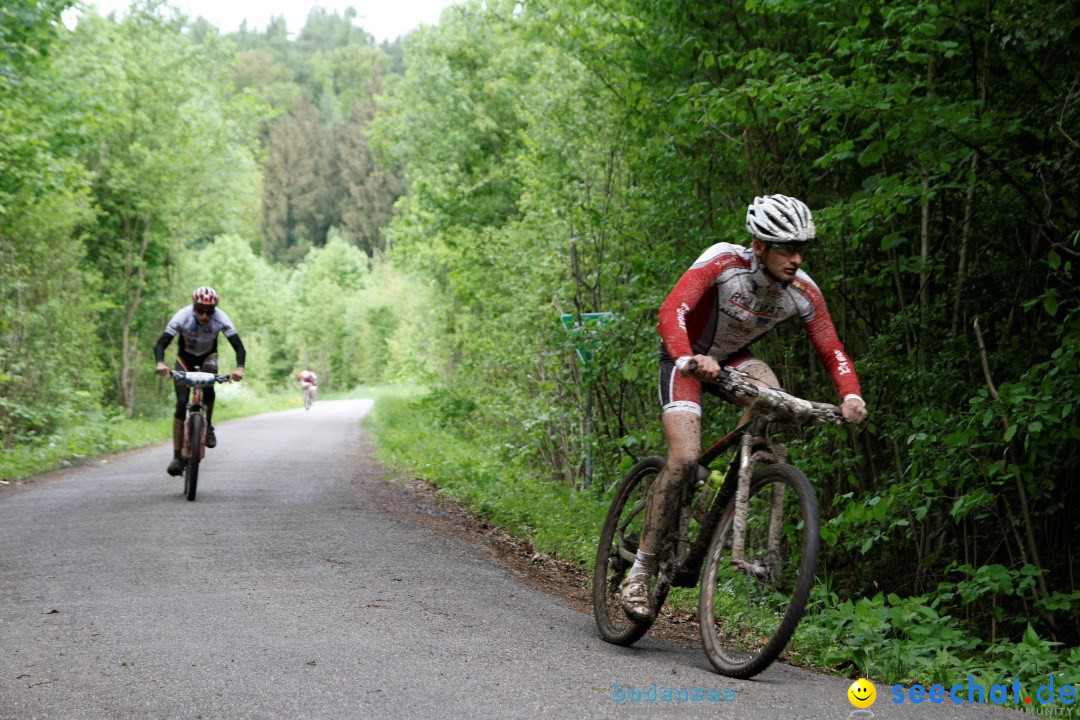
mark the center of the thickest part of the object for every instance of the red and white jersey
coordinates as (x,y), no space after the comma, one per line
(306,376)
(726,301)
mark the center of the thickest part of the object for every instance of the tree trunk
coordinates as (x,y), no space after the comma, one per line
(136,266)
(924,243)
(969,202)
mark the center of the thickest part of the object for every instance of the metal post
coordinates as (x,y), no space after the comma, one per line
(588,437)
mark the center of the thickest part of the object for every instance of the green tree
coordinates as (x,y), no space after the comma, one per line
(617,141)
(46,319)
(294,187)
(170,163)
(371,189)
(322,287)
(28,29)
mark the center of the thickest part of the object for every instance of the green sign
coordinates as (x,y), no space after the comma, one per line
(584,327)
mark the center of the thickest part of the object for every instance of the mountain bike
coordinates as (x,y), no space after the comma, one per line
(194,447)
(751,537)
(309,394)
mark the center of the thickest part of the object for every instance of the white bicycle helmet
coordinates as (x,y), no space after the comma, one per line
(779,218)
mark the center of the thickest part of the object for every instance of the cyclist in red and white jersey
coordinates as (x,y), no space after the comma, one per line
(198,326)
(730,297)
(309,387)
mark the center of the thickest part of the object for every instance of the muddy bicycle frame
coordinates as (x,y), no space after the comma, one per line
(756,447)
(754,553)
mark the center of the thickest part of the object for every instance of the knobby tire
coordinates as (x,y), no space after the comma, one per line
(618,543)
(746,622)
(191,470)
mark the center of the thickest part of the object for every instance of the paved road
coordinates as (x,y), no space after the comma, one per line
(284,592)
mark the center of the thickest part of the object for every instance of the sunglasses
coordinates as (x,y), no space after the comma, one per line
(788,249)
(201,310)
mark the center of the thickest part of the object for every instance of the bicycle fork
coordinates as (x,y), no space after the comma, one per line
(762,571)
(194,407)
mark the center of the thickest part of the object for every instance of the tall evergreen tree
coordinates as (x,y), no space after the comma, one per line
(292,186)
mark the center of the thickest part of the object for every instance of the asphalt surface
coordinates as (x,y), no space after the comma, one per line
(283,591)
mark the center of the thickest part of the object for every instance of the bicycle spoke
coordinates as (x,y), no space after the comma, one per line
(750,608)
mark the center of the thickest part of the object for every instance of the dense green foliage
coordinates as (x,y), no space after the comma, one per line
(426,212)
(573,156)
(136,155)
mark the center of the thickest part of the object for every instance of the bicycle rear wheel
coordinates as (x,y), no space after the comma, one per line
(616,550)
(748,614)
(191,470)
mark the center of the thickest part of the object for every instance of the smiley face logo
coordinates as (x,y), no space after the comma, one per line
(862,694)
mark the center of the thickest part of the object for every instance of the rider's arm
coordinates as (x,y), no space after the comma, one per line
(694,284)
(162,343)
(685,296)
(241,353)
(827,343)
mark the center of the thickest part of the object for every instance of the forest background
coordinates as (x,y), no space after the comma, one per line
(421,213)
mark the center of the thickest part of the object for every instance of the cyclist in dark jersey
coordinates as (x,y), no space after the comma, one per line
(730,297)
(198,326)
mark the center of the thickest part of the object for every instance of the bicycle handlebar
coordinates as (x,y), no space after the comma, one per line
(199,379)
(771,401)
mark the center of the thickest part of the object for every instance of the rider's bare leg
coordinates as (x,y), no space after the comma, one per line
(682,430)
(762,376)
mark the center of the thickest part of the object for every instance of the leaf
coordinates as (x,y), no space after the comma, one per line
(892,240)
(957,439)
(873,152)
(1050,304)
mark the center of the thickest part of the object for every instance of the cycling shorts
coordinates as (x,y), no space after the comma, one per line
(683,394)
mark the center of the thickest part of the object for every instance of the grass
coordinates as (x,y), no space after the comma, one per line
(557,519)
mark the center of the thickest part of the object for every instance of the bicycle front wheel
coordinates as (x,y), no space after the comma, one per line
(749,610)
(191,470)
(616,551)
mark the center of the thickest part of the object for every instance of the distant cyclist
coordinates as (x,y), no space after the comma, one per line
(730,297)
(198,326)
(309,386)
